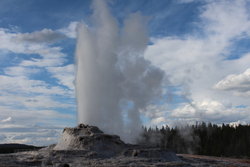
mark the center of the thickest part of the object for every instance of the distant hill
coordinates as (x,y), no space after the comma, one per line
(14,147)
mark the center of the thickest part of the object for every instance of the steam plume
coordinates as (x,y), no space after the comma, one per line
(113,80)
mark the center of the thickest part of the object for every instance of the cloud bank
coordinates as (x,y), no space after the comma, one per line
(33,108)
(207,81)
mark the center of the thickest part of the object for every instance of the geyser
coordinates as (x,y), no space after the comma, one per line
(113,80)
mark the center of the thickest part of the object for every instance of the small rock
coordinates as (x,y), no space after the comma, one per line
(63,165)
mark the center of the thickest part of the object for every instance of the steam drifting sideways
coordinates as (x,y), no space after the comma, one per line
(113,80)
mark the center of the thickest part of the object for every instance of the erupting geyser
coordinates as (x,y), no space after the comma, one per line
(113,80)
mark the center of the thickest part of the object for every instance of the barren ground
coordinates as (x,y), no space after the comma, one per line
(83,158)
(211,161)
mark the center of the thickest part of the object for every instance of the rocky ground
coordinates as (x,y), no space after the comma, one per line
(82,159)
(88,146)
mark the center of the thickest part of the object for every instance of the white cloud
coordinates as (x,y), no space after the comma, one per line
(24,85)
(226,19)
(50,56)
(25,100)
(20,71)
(33,101)
(70,31)
(208,110)
(32,126)
(43,36)
(197,62)
(6,120)
(33,116)
(188,113)
(29,134)
(158,121)
(18,81)
(64,74)
(240,84)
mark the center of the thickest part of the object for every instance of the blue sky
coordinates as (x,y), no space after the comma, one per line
(202,46)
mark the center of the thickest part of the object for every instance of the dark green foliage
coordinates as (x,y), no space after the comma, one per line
(202,138)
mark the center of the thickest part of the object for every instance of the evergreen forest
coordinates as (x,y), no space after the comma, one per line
(201,138)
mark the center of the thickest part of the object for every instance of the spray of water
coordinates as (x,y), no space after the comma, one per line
(113,80)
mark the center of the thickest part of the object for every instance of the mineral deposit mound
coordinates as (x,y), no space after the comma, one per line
(90,138)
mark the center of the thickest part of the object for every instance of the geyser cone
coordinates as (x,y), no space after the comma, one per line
(113,80)
(90,138)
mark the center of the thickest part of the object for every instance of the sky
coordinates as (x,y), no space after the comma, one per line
(202,47)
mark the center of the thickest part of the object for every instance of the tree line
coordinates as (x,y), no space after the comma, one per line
(201,138)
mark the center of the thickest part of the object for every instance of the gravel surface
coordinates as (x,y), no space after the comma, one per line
(84,158)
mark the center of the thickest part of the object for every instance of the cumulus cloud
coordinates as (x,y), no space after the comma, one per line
(27,101)
(49,56)
(226,19)
(189,113)
(239,83)
(195,63)
(209,110)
